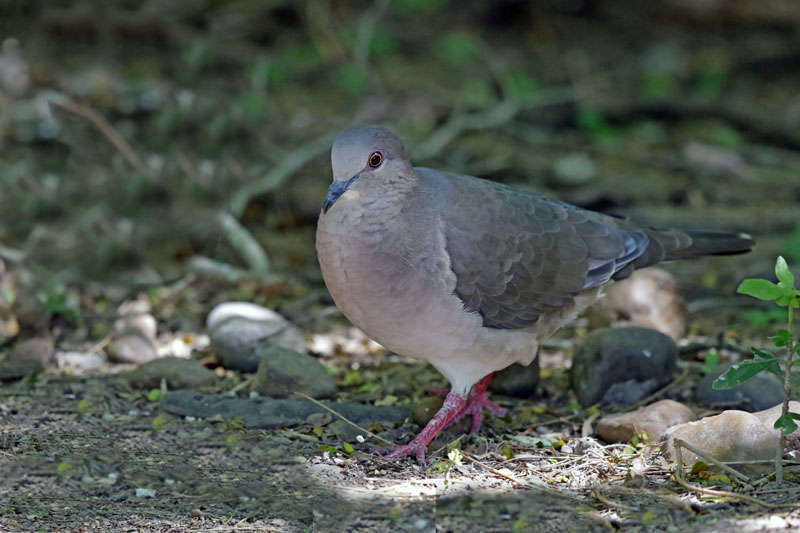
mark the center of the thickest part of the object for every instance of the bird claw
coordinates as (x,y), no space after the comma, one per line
(475,406)
(417,449)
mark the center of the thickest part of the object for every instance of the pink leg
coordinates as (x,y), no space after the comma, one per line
(453,404)
(475,403)
(454,408)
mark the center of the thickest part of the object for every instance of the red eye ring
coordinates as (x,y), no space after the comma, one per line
(375,159)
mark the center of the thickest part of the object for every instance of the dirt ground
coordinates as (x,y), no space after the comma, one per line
(671,113)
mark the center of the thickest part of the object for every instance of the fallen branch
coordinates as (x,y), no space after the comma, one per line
(677,474)
(278,175)
(492,117)
(713,460)
(104,127)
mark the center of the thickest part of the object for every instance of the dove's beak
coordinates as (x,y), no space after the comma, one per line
(336,189)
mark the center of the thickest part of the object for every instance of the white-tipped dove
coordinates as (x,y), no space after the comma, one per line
(466,273)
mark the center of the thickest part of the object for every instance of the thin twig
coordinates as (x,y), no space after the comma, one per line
(713,460)
(104,127)
(610,503)
(497,472)
(275,177)
(663,390)
(677,474)
(342,417)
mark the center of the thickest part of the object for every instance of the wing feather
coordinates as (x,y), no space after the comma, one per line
(518,254)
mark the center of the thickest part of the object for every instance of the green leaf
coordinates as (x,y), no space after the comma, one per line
(741,372)
(783,338)
(783,273)
(784,300)
(154,395)
(795,416)
(327,448)
(785,424)
(764,355)
(761,289)
(347,447)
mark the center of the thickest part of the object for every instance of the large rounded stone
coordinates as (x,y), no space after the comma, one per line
(622,365)
(517,380)
(242,332)
(282,372)
(132,347)
(760,392)
(769,416)
(728,436)
(651,421)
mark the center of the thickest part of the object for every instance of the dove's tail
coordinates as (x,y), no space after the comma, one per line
(670,245)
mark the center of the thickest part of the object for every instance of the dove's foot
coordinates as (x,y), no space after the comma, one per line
(476,402)
(452,406)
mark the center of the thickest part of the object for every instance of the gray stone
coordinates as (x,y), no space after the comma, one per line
(282,372)
(517,380)
(635,359)
(652,421)
(38,349)
(11,370)
(179,374)
(242,332)
(758,393)
(266,413)
(133,348)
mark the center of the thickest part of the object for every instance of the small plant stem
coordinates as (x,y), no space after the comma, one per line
(787,390)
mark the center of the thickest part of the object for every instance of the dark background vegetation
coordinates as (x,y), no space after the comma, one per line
(142,141)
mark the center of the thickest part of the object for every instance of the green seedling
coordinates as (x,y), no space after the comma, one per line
(784,294)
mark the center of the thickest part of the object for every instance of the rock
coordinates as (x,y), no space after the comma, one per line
(143,323)
(652,421)
(242,332)
(648,298)
(629,392)
(769,416)
(267,413)
(132,347)
(345,431)
(81,361)
(574,169)
(38,349)
(622,365)
(728,436)
(517,380)
(425,409)
(583,446)
(760,392)
(179,374)
(282,372)
(11,370)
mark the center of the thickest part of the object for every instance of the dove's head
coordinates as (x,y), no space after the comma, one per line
(367,160)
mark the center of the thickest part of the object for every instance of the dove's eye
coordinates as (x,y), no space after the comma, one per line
(375,159)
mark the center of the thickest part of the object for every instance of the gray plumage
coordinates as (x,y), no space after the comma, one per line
(465,272)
